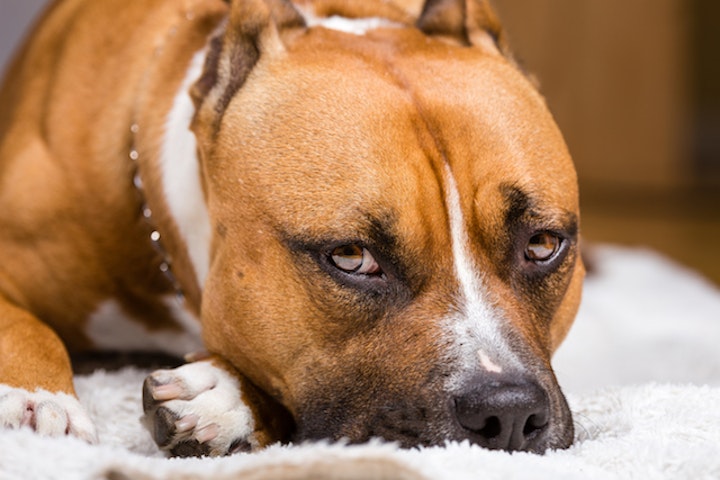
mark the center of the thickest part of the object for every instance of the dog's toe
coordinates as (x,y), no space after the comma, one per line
(50,419)
(197,410)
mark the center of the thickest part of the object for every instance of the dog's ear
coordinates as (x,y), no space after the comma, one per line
(251,29)
(470,22)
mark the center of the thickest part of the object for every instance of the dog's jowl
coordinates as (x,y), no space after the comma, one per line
(362,210)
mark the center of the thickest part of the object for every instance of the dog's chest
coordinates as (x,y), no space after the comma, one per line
(112,327)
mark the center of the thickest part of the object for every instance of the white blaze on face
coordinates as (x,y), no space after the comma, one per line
(487,363)
(475,329)
(181,175)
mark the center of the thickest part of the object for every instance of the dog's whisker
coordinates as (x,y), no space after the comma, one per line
(585,427)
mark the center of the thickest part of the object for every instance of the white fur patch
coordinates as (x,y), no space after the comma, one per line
(110,327)
(476,328)
(181,175)
(354,26)
(49,414)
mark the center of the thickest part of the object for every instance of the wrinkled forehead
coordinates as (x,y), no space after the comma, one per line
(362,116)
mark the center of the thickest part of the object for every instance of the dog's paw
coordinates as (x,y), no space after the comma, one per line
(50,414)
(197,410)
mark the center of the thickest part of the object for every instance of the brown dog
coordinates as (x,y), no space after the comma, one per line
(372,215)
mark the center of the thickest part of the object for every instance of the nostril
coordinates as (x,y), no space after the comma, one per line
(534,424)
(492,428)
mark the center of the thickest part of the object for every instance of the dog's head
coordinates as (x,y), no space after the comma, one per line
(395,217)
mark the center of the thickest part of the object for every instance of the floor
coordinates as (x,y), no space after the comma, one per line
(684,225)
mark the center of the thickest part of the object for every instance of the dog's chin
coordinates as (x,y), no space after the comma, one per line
(439,436)
(413,436)
(411,426)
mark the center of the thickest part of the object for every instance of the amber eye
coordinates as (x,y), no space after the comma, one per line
(542,247)
(354,259)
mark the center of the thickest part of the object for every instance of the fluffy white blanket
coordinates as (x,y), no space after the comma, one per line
(641,370)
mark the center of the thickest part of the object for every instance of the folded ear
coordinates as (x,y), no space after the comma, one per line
(252,28)
(470,22)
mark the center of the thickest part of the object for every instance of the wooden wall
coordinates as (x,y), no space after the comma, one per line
(614,73)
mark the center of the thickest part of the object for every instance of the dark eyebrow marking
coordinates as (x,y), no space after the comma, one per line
(517,203)
(523,210)
(370,229)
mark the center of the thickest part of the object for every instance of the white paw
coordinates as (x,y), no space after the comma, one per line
(197,410)
(51,414)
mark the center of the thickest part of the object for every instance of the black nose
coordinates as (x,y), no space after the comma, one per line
(504,412)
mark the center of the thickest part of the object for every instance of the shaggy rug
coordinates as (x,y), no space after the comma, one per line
(641,369)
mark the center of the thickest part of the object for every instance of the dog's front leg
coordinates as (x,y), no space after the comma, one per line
(208,408)
(36,382)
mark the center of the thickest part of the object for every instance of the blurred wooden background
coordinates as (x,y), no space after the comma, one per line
(635,88)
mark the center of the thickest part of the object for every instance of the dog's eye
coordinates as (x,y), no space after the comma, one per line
(542,247)
(354,259)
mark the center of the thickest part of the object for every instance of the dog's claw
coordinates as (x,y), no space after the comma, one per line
(188,422)
(197,410)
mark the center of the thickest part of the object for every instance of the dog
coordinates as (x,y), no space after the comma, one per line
(363,212)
